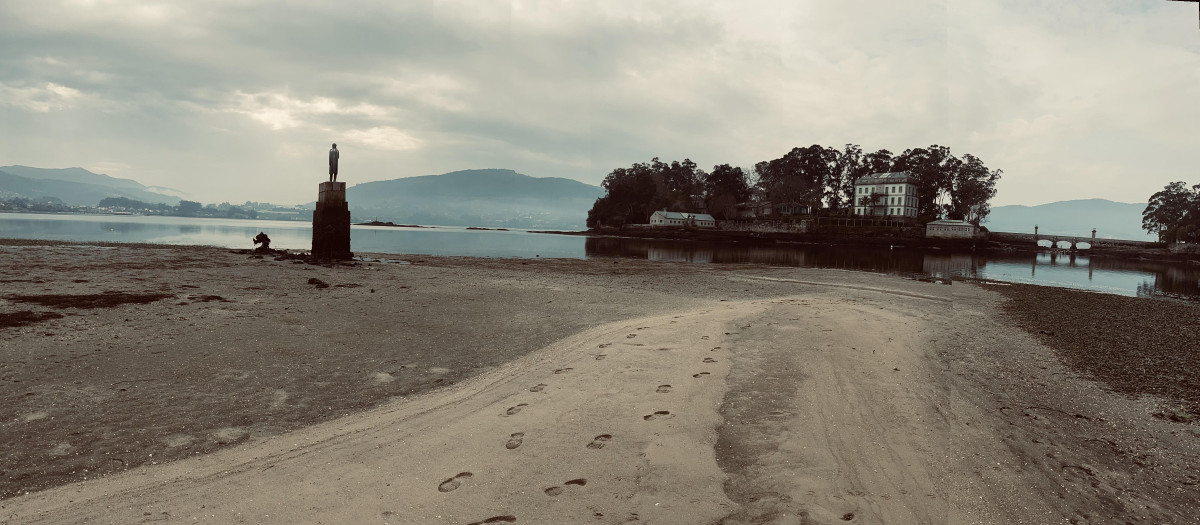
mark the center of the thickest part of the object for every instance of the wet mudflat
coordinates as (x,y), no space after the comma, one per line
(827,396)
(115,356)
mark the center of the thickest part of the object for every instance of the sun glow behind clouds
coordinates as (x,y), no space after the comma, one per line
(280,111)
(41,99)
(384,138)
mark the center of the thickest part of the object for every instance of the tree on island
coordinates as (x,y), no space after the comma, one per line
(972,187)
(933,168)
(818,178)
(635,192)
(823,179)
(724,189)
(1174,213)
(802,176)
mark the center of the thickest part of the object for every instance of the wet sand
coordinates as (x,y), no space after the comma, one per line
(458,390)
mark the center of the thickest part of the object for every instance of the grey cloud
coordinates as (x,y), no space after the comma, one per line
(188,92)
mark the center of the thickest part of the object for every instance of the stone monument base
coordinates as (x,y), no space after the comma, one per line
(331,223)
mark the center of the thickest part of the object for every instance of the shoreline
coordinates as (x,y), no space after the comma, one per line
(919,243)
(245,353)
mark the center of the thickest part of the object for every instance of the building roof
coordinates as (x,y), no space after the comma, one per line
(892,177)
(950,222)
(682,215)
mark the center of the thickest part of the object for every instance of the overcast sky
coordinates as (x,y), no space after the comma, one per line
(239,100)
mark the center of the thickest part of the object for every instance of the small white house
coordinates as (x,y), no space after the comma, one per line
(886,195)
(948,229)
(675,218)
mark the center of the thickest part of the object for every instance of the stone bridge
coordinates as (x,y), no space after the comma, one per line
(1093,242)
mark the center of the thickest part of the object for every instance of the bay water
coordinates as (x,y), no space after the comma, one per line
(1081,271)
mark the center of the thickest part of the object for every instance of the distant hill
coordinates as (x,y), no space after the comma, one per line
(1113,220)
(74,186)
(484,197)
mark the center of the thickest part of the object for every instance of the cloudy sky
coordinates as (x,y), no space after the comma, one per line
(235,100)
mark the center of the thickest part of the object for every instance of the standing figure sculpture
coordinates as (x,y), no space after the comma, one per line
(333,162)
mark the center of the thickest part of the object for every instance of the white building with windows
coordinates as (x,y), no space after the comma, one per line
(951,229)
(675,218)
(886,195)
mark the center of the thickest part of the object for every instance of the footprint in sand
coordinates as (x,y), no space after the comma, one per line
(538,387)
(600,357)
(709,360)
(563,370)
(605,345)
(599,441)
(658,414)
(453,483)
(514,440)
(663,389)
(701,374)
(514,410)
(630,336)
(495,519)
(554,491)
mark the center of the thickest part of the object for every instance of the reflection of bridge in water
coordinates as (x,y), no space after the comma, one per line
(1073,261)
(969,265)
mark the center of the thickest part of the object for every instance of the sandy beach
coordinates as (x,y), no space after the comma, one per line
(180,384)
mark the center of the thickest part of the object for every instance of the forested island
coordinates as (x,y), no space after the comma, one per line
(817,179)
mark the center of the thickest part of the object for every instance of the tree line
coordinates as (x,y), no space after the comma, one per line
(820,178)
(1174,213)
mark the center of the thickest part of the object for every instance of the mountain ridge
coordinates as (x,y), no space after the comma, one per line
(476,197)
(74,186)
(1111,219)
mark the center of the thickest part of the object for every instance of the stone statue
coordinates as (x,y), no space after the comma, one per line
(333,162)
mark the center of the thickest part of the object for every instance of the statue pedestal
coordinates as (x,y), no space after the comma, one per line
(331,223)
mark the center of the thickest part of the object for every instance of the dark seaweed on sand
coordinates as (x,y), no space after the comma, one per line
(25,317)
(1135,346)
(99,300)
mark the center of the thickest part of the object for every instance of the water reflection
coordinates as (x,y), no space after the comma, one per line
(286,235)
(843,257)
(1065,269)
(159,230)
(954,265)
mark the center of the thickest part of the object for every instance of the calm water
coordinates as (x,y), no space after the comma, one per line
(1132,278)
(286,235)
